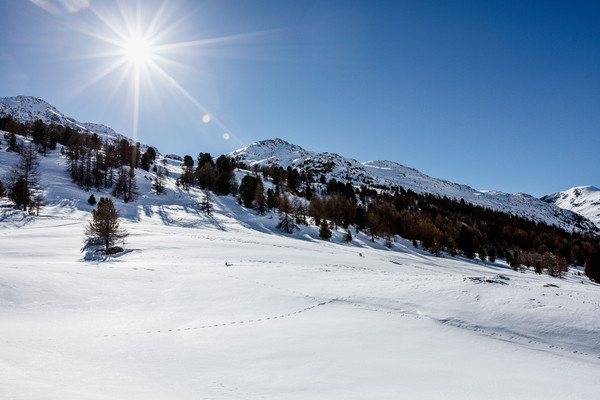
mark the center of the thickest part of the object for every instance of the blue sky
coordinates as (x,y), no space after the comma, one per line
(497,95)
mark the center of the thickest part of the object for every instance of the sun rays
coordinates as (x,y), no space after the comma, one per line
(135,50)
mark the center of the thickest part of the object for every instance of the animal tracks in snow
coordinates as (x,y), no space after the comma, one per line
(223,324)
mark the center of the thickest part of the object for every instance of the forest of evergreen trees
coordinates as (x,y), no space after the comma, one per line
(437,224)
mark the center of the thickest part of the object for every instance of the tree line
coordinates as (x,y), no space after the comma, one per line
(435,223)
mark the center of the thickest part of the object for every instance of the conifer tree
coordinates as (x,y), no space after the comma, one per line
(248,190)
(592,266)
(348,236)
(206,176)
(324,231)
(206,204)
(132,189)
(159,180)
(286,222)
(272,199)
(465,242)
(12,143)
(260,202)
(24,178)
(300,211)
(492,254)
(20,193)
(121,184)
(105,224)
(373,224)
(316,208)
(36,204)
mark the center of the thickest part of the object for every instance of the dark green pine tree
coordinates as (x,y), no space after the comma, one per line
(324,231)
(105,224)
(248,190)
(20,193)
(465,242)
(12,143)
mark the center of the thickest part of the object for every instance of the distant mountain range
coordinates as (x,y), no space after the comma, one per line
(391,175)
(577,208)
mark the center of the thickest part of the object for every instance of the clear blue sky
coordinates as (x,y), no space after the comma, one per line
(498,95)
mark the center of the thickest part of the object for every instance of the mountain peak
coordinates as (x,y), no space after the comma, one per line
(584,200)
(271,152)
(276,144)
(25,109)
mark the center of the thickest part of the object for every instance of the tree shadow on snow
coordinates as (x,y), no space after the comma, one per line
(95,253)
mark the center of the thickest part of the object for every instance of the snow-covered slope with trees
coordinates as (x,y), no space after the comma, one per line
(381,174)
(388,174)
(584,200)
(225,306)
(26,109)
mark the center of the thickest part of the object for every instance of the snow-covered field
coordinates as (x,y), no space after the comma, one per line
(289,317)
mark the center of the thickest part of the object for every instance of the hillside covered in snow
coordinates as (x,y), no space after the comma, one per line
(584,200)
(226,306)
(27,109)
(391,175)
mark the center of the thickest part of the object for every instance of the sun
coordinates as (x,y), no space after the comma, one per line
(138,51)
(136,42)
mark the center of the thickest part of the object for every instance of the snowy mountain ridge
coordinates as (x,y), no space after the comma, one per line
(584,200)
(389,174)
(378,174)
(25,109)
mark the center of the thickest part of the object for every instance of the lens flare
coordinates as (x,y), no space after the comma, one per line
(62,6)
(135,42)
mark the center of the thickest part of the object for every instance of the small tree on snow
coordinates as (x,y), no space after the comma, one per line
(324,231)
(37,202)
(159,181)
(206,204)
(105,224)
(348,236)
(286,222)
(24,178)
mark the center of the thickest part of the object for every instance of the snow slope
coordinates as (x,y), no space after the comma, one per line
(25,109)
(392,174)
(584,200)
(289,316)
